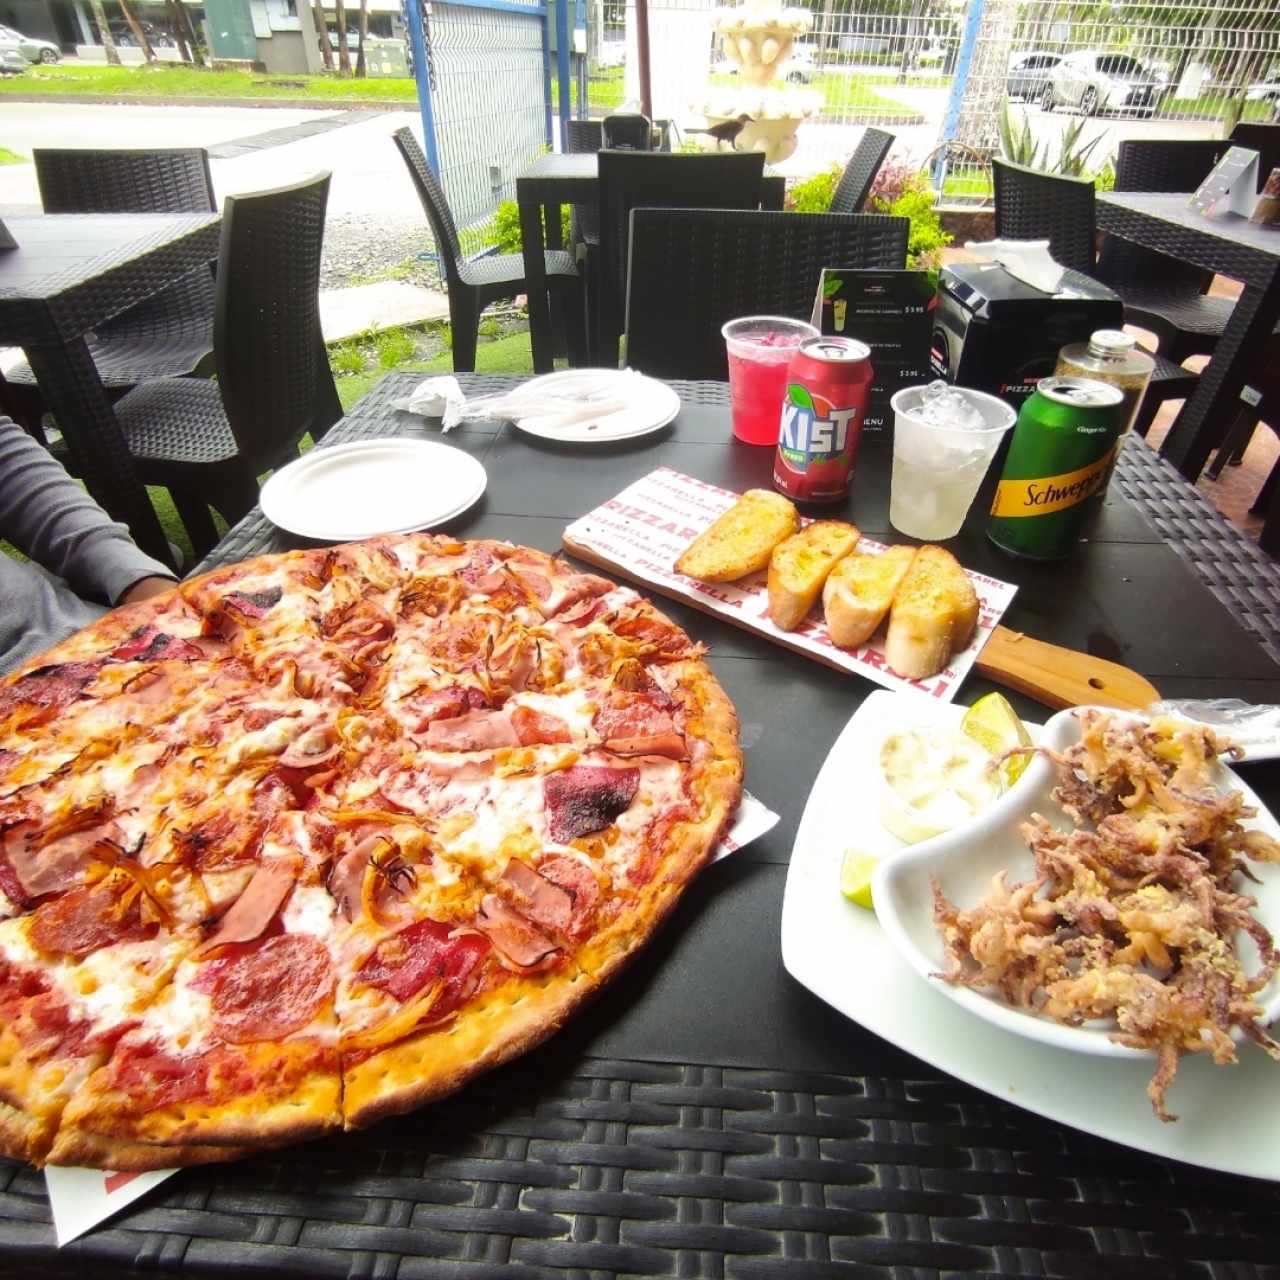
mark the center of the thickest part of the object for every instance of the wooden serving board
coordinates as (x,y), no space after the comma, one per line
(639,534)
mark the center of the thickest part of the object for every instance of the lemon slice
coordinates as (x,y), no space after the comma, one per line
(855,877)
(994,725)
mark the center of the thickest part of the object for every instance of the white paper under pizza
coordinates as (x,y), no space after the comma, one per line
(82,1198)
(642,532)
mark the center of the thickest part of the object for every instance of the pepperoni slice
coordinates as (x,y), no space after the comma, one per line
(273,990)
(533,727)
(586,798)
(161,1078)
(48,688)
(253,604)
(425,952)
(83,921)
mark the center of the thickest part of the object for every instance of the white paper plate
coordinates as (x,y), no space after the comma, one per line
(369,487)
(1228,1115)
(651,405)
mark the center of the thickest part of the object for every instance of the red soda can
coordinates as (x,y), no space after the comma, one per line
(828,382)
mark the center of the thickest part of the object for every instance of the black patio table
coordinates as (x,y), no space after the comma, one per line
(70,272)
(550,181)
(1231,246)
(708,1116)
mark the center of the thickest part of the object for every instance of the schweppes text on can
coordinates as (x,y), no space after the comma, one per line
(1060,455)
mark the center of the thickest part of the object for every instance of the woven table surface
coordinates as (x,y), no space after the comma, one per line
(576,1161)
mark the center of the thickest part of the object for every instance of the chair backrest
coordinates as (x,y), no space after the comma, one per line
(1264,139)
(855,182)
(266,330)
(630,180)
(1031,205)
(172,180)
(773,192)
(443,230)
(584,136)
(627,132)
(693,269)
(1159,165)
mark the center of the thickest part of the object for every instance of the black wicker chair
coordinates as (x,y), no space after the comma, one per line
(1161,293)
(474,285)
(206,441)
(860,173)
(584,137)
(169,334)
(693,269)
(628,132)
(1262,138)
(1031,205)
(630,180)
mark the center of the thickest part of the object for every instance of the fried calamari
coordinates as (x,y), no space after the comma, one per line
(1132,915)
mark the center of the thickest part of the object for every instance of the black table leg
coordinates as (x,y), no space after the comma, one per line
(72,390)
(555,299)
(535,279)
(1206,417)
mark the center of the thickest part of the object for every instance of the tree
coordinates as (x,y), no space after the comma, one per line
(344,54)
(362,25)
(138,33)
(182,22)
(322,32)
(978,125)
(104,32)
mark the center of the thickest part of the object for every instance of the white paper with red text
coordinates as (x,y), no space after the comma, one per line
(82,1198)
(646,527)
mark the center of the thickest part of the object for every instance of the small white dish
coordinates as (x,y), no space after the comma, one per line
(964,862)
(647,405)
(358,490)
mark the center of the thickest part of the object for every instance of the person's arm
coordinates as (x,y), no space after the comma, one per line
(53,520)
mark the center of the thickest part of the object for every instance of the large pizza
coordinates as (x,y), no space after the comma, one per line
(316,838)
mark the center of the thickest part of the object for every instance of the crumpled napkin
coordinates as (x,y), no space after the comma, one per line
(1025,260)
(443,398)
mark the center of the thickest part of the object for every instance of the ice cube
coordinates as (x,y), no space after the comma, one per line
(945,406)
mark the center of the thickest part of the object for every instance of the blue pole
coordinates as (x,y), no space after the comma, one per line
(968,41)
(546,72)
(423,81)
(562,66)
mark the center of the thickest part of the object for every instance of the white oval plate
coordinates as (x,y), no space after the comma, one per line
(1228,1115)
(357,490)
(650,405)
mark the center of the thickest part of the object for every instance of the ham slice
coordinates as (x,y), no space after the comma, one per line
(534,727)
(581,885)
(638,724)
(150,644)
(586,798)
(442,704)
(347,877)
(58,865)
(513,937)
(546,904)
(256,906)
(310,749)
(476,731)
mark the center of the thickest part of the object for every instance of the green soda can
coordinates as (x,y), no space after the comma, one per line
(1060,454)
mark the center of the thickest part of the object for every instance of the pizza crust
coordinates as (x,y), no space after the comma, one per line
(79,1148)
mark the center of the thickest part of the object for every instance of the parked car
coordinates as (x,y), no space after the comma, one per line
(932,55)
(800,64)
(1096,82)
(29,48)
(1029,72)
(1265,90)
(613,53)
(12,63)
(353,39)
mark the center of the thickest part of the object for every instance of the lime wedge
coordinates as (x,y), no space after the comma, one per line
(994,725)
(855,877)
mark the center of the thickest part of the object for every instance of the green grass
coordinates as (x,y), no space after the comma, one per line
(1213,107)
(847,97)
(11,157)
(170,81)
(967,184)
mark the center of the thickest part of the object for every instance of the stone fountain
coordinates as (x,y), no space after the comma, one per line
(757,36)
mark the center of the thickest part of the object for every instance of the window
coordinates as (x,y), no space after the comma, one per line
(1119,65)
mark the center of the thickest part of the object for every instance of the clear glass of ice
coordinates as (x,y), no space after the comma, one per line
(944,438)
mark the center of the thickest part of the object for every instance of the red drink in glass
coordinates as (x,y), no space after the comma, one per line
(760,351)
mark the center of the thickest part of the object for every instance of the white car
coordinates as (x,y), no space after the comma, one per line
(800,64)
(29,48)
(1265,90)
(1096,82)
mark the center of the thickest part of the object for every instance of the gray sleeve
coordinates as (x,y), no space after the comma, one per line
(49,517)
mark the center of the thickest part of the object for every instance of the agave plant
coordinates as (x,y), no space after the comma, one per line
(1019,145)
(1017,141)
(1073,157)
